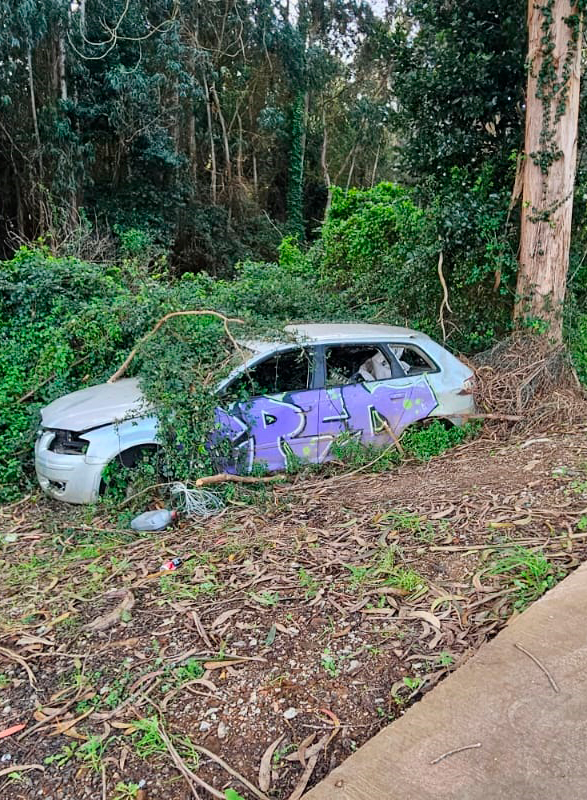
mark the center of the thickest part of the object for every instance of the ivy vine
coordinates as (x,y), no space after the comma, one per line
(553,91)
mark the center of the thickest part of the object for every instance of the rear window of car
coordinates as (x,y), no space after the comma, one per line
(412,360)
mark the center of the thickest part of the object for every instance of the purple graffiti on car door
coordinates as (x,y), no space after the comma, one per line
(272,429)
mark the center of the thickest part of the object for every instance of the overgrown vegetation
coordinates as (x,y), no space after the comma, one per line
(66,323)
(181,161)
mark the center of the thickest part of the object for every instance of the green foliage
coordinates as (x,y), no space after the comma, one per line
(380,250)
(60,320)
(384,570)
(295,214)
(329,664)
(232,794)
(578,344)
(529,572)
(350,451)
(459,79)
(125,790)
(432,440)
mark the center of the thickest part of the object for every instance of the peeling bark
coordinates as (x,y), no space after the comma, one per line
(547,198)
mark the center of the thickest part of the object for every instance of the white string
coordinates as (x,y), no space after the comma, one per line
(196,502)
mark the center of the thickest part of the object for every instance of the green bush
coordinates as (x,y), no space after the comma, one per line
(432,440)
(578,345)
(62,323)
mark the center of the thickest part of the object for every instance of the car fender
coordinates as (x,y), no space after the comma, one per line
(108,441)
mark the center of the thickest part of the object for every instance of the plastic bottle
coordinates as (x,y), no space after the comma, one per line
(153,520)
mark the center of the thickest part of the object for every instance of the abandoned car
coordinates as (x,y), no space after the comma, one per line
(371,381)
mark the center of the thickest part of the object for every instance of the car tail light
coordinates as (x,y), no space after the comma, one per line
(469,386)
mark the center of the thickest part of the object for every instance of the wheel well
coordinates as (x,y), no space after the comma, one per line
(129,458)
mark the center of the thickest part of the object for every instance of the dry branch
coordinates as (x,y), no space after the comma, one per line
(527,381)
(444,304)
(227,477)
(200,313)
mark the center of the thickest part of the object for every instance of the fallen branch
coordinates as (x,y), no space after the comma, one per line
(227,477)
(504,417)
(250,786)
(540,665)
(122,369)
(395,439)
(456,750)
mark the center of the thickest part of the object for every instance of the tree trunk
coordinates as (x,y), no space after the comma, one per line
(213,172)
(324,163)
(376,162)
(295,190)
(552,108)
(34,111)
(225,142)
(62,73)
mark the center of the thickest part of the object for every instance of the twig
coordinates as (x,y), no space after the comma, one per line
(540,665)
(187,773)
(227,477)
(12,656)
(395,439)
(444,304)
(122,369)
(103,770)
(456,750)
(21,768)
(505,417)
(250,786)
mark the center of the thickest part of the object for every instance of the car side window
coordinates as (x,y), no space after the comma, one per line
(347,364)
(287,371)
(412,361)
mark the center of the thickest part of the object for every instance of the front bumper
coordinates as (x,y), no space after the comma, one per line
(69,478)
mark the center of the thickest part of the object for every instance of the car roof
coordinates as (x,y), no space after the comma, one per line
(324,333)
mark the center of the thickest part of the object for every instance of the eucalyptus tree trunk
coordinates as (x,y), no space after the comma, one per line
(552,110)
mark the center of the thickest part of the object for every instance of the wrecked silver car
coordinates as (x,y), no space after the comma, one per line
(371,381)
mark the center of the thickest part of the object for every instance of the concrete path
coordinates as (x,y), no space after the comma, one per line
(533,739)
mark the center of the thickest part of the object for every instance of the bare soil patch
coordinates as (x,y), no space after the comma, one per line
(308,621)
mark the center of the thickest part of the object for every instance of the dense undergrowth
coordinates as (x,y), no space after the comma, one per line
(66,323)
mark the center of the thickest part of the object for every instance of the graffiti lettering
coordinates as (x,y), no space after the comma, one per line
(270,429)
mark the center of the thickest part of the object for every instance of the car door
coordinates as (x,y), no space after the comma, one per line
(366,393)
(273,417)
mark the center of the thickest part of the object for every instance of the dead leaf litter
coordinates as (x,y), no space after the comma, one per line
(291,633)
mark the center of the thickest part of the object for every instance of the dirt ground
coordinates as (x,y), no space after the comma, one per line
(291,633)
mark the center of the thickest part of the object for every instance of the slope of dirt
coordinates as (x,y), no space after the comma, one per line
(306,623)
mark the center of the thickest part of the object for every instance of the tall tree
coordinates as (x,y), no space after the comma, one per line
(552,112)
